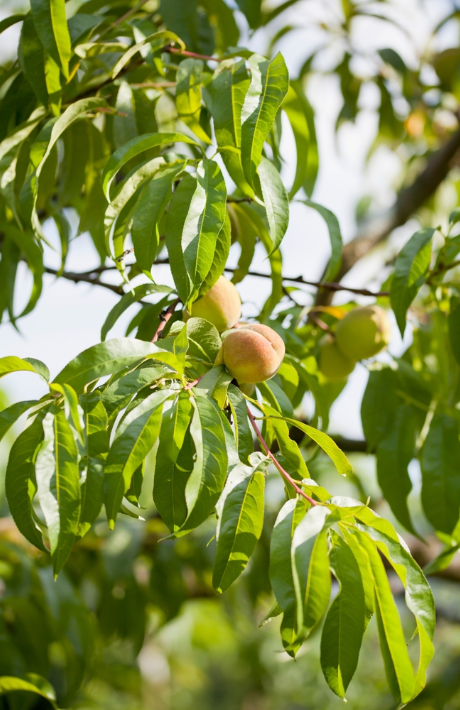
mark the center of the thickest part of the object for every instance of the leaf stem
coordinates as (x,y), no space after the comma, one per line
(164,319)
(193,384)
(284,473)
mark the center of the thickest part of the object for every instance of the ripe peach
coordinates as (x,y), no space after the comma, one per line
(252,353)
(364,332)
(332,362)
(221,305)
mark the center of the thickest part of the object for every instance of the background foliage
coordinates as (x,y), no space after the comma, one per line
(100,116)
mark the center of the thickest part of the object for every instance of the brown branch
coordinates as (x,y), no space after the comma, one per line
(408,201)
(185,53)
(164,319)
(292,279)
(284,473)
(85,278)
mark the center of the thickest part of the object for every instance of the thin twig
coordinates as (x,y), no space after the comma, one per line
(154,85)
(284,473)
(185,53)
(239,199)
(164,319)
(443,267)
(320,323)
(123,17)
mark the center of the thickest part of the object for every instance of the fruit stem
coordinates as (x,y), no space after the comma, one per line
(284,473)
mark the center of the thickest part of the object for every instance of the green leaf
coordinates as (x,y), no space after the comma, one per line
(300,115)
(180,348)
(32,60)
(19,481)
(127,300)
(175,222)
(204,221)
(419,597)
(156,40)
(281,576)
(254,224)
(96,444)
(221,254)
(243,435)
(275,200)
(215,384)
(17,364)
(246,234)
(362,561)
(398,668)
(228,90)
(71,407)
(121,391)
(311,575)
(134,439)
(133,148)
(442,561)
(335,237)
(119,210)
(289,449)
(58,486)
(324,441)
(411,271)
(10,415)
(106,358)
(440,480)
(275,396)
(454,327)
(10,684)
(149,209)
(241,519)
(51,25)
(268,87)
(208,476)
(195,217)
(394,453)
(188,95)
(174,462)
(11,20)
(203,341)
(344,626)
(379,405)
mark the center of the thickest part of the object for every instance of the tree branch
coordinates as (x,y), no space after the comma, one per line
(284,473)
(85,278)
(164,319)
(408,201)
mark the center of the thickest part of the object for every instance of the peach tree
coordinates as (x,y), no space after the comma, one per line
(152,130)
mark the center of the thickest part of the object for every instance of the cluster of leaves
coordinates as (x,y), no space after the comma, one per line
(409,409)
(86,446)
(116,115)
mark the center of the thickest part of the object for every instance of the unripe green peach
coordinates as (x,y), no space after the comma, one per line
(364,332)
(248,388)
(332,362)
(221,305)
(252,353)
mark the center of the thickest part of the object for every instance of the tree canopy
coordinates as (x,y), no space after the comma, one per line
(157,130)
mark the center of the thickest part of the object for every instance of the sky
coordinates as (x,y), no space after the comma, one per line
(69,317)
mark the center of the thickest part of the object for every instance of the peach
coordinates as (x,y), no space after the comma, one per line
(221,305)
(364,332)
(332,362)
(252,353)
